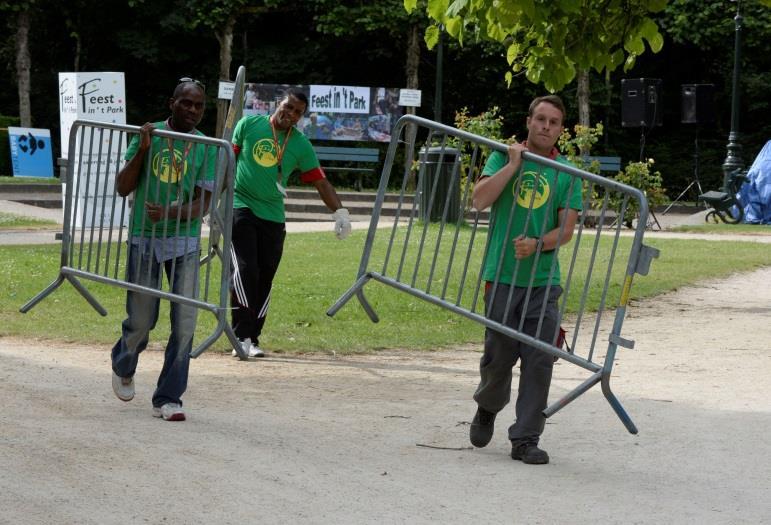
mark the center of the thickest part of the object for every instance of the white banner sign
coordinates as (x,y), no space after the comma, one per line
(338,99)
(92,96)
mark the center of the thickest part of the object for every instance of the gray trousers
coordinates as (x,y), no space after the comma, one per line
(502,353)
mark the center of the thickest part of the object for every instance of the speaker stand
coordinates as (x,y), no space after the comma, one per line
(642,143)
(652,220)
(695,180)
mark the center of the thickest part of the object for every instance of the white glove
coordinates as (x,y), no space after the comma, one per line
(342,223)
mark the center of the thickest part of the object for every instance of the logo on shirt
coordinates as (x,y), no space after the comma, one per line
(532,181)
(169,168)
(264,153)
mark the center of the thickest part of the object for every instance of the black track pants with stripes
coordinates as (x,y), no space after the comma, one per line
(256,253)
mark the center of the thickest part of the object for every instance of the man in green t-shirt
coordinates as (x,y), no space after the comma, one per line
(534,212)
(268,150)
(172,182)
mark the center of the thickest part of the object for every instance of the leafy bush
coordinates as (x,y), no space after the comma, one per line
(641,176)
(577,145)
(488,124)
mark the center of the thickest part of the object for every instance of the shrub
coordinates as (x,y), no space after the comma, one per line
(641,176)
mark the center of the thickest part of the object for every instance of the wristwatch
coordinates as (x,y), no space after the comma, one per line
(538,244)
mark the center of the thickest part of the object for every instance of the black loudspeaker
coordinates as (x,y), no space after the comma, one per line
(698,103)
(641,105)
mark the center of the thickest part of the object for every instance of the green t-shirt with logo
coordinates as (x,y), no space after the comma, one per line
(257,167)
(170,179)
(545,207)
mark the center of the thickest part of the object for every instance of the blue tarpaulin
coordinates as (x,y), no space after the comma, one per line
(755,195)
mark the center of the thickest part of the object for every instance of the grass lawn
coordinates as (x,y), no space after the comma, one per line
(726,229)
(27,180)
(9,221)
(316,269)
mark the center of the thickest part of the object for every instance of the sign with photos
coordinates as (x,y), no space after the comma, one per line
(334,112)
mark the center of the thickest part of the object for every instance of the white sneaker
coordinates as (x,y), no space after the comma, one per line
(170,412)
(250,349)
(256,351)
(246,344)
(123,387)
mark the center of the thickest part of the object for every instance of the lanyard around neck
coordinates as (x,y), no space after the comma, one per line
(279,149)
(173,157)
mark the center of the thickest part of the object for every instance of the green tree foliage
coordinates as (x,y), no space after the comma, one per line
(346,18)
(549,40)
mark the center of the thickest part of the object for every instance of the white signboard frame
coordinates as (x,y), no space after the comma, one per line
(98,96)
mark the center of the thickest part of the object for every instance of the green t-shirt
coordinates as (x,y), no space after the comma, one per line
(165,185)
(545,207)
(257,167)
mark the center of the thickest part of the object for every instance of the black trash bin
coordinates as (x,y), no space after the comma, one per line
(437,162)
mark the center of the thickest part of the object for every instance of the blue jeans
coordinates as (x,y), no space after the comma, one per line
(142,311)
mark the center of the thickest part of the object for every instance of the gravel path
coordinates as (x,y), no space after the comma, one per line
(342,440)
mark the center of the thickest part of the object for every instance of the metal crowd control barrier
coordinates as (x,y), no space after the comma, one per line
(234,114)
(434,247)
(96,228)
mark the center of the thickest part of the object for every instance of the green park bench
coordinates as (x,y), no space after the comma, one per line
(607,164)
(611,166)
(348,160)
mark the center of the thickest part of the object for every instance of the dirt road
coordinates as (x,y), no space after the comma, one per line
(338,440)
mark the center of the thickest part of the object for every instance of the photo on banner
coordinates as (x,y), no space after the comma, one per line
(334,112)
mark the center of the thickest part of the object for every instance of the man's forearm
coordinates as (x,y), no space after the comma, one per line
(328,194)
(488,189)
(128,177)
(194,209)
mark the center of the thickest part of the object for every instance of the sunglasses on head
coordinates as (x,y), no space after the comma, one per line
(198,83)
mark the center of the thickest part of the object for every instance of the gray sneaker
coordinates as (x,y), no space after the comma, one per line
(170,412)
(123,387)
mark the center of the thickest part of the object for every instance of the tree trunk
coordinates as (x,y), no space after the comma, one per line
(608,100)
(411,73)
(23,62)
(583,98)
(76,67)
(225,39)
(413,57)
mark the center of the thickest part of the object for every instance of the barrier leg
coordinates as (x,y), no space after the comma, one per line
(616,405)
(43,294)
(357,290)
(54,285)
(572,395)
(87,295)
(367,307)
(222,326)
